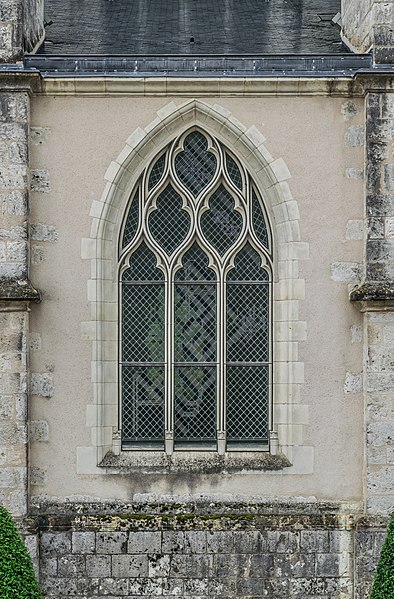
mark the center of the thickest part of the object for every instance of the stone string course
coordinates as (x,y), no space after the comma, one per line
(191,556)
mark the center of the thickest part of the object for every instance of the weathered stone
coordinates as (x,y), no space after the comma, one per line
(42,384)
(41,232)
(38,430)
(354,136)
(39,181)
(99,566)
(129,566)
(111,542)
(144,542)
(56,544)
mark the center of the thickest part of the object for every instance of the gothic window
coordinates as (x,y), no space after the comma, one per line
(195,277)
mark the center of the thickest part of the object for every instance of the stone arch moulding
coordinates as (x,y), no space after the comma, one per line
(271,176)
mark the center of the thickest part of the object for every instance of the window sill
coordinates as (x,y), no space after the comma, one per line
(201,462)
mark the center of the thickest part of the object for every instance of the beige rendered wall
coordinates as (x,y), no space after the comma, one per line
(320,139)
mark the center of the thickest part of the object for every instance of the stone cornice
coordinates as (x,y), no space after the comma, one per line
(19,80)
(11,291)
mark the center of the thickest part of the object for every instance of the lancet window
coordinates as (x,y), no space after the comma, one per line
(195,296)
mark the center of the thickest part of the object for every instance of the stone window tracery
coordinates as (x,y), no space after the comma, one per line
(195,291)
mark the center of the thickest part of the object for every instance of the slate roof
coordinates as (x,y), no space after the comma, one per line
(179,27)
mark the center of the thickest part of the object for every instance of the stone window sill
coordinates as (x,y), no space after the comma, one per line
(157,462)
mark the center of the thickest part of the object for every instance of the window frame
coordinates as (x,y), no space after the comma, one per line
(250,186)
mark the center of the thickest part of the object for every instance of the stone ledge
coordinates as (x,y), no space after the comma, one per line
(373,291)
(18,291)
(183,462)
(217,505)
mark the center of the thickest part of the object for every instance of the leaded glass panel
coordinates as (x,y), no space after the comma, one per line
(143,323)
(143,404)
(157,172)
(233,172)
(203,358)
(169,224)
(259,224)
(195,404)
(247,404)
(247,322)
(221,224)
(195,266)
(195,323)
(132,221)
(195,166)
(247,266)
(143,266)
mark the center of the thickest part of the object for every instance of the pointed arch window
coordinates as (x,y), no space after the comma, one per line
(195,290)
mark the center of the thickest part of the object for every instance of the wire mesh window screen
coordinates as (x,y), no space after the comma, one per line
(221,224)
(157,172)
(169,223)
(195,166)
(132,221)
(143,404)
(195,342)
(233,172)
(247,404)
(195,404)
(259,223)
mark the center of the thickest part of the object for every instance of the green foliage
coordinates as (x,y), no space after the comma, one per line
(383,584)
(17,579)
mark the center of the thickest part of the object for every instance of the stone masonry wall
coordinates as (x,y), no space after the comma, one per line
(187,555)
(377,297)
(15,294)
(369,23)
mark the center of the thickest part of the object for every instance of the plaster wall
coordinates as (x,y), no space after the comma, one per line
(72,144)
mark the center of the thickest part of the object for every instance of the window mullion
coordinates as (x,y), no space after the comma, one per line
(221,340)
(169,360)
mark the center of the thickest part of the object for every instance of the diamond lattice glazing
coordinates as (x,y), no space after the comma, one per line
(195,323)
(195,404)
(247,266)
(143,323)
(221,224)
(156,172)
(169,223)
(247,404)
(195,166)
(142,266)
(195,266)
(132,221)
(259,224)
(233,172)
(143,404)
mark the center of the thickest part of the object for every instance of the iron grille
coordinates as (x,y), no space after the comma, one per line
(195,166)
(233,172)
(143,404)
(132,221)
(195,404)
(157,172)
(247,404)
(259,224)
(169,223)
(221,225)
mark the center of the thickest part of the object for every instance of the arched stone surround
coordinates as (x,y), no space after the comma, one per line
(271,175)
